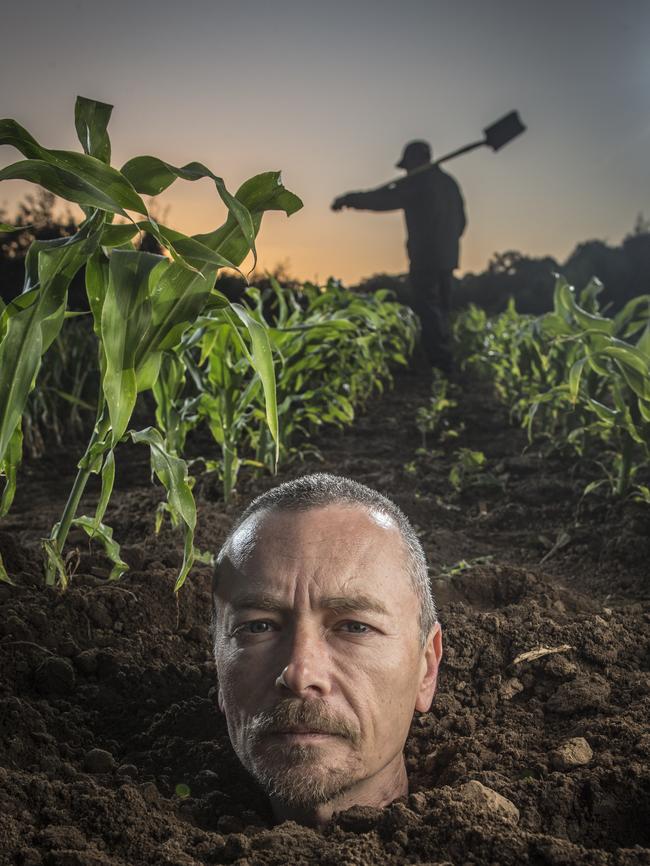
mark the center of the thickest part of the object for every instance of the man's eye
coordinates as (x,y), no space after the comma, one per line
(256,626)
(354,627)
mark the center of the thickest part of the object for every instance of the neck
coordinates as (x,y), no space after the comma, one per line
(378,791)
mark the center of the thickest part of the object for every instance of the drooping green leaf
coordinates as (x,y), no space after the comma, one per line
(263,363)
(151,176)
(75,186)
(185,250)
(605,413)
(261,193)
(104,534)
(171,471)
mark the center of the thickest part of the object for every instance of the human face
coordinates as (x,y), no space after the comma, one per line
(318,653)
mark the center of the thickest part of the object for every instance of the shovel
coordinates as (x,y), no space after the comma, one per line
(495,136)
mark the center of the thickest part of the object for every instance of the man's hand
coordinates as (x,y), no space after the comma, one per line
(340,202)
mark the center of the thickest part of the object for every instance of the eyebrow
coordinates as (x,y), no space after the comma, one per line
(338,603)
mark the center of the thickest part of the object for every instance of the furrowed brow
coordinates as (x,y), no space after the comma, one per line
(354,604)
(257,601)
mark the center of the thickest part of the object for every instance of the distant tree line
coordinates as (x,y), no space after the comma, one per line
(624,270)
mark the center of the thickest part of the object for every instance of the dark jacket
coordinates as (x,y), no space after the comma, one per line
(434,211)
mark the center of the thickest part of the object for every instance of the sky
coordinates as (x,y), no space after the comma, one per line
(329,93)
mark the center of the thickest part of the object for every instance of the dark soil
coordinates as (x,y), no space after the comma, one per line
(112,748)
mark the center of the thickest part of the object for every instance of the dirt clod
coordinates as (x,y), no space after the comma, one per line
(99,761)
(579,696)
(574,753)
(485,798)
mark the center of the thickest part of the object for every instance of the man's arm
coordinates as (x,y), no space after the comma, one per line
(460,207)
(463,216)
(384,198)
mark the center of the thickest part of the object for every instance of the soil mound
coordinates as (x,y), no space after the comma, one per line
(536,749)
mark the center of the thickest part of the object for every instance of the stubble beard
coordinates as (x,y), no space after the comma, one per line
(302,775)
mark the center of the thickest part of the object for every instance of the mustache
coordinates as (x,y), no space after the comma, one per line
(314,715)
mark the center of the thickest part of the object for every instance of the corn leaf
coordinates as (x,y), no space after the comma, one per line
(76,177)
(33,320)
(9,468)
(575,374)
(125,317)
(55,560)
(644,409)
(186,250)
(609,416)
(261,193)
(91,121)
(104,534)
(643,343)
(171,471)
(262,359)
(118,235)
(151,176)
(108,480)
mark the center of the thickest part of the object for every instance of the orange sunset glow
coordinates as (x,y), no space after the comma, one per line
(330,96)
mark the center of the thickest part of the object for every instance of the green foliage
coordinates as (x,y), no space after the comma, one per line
(466,467)
(579,378)
(142,306)
(432,418)
(332,349)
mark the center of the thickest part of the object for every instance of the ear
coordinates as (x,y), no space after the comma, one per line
(430,664)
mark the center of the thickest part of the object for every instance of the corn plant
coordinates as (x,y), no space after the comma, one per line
(465,469)
(332,348)
(141,305)
(433,417)
(578,377)
(607,383)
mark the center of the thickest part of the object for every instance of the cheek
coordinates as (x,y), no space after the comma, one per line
(381,685)
(243,681)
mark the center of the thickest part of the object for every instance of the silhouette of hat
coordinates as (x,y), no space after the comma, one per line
(415,153)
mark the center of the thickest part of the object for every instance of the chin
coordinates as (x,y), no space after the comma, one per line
(304,776)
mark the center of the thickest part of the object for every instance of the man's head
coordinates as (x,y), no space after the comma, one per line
(415,154)
(326,641)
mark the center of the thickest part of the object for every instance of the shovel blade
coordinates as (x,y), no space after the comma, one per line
(504,130)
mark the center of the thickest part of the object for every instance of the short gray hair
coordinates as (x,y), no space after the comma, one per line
(321,489)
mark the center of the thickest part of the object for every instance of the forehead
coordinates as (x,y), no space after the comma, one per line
(332,548)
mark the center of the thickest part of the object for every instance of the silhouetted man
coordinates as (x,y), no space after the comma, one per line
(435,219)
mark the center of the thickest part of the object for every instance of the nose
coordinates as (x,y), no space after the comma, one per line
(307,673)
